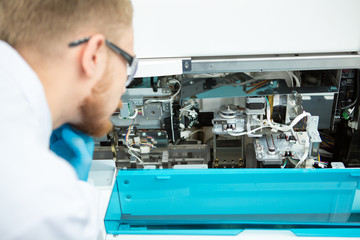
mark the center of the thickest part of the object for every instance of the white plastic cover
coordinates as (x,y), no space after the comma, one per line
(190,28)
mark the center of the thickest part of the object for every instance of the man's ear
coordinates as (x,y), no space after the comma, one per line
(93,58)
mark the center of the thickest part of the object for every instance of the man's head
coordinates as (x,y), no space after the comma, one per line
(83,84)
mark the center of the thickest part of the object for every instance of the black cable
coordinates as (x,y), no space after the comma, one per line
(357,93)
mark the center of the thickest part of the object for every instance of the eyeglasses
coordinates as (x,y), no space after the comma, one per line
(132,61)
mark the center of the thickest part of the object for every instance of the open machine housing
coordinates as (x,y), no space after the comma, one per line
(236,121)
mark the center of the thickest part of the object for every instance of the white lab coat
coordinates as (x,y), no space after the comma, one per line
(40,195)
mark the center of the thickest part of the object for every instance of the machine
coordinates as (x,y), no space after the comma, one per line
(233,125)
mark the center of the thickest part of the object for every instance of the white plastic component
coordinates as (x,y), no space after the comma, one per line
(191,166)
(159,67)
(309,163)
(190,28)
(302,138)
(136,140)
(185,134)
(337,165)
(353,125)
(144,149)
(129,142)
(149,167)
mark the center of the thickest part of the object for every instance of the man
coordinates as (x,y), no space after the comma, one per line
(61,62)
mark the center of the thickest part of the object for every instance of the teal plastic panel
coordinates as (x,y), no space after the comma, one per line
(326,232)
(220,199)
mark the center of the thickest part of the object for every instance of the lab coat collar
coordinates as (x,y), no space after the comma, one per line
(26,79)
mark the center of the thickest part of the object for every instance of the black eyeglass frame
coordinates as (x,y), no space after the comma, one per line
(132,61)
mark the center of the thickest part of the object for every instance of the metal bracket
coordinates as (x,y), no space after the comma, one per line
(186,65)
(284,62)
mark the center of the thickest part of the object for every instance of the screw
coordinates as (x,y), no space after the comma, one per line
(186,65)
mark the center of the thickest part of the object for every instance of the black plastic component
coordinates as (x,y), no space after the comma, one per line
(288,154)
(291,138)
(279,114)
(282,136)
(209,83)
(136,82)
(255,106)
(349,91)
(176,124)
(204,119)
(153,85)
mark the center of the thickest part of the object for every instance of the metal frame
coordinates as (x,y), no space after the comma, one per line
(283,62)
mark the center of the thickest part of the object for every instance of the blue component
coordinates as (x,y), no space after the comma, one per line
(177,201)
(228,232)
(321,232)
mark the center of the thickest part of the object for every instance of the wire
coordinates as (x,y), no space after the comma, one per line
(241,83)
(127,134)
(135,114)
(231,133)
(325,153)
(271,125)
(255,79)
(172,119)
(126,141)
(284,164)
(327,142)
(303,158)
(329,139)
(165,100)
(297,81)
(256,84)
(286,127)
(170,100)
(199,130)
(357,94)
(277,76)
(261,84)
(292,161)
(132,154)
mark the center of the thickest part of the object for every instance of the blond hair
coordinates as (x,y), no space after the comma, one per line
(40,23)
